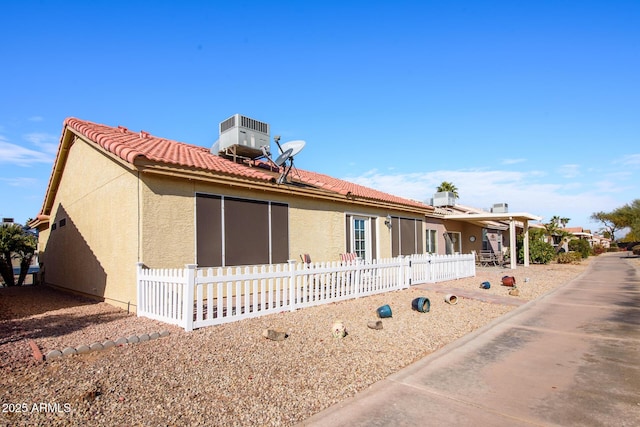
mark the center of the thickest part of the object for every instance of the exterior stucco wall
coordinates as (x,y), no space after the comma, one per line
(92,249)
(167,235)
(316,226)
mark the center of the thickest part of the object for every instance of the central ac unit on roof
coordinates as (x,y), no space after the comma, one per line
(444,198)
(500,208)
(242,136)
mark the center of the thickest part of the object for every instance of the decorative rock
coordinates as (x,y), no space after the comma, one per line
(338,330)
(69,351)
(375,324)
(96,346)
(121,341)
(144,337)
(108,344)
(164,334)
(133,339)
(154,336)
(83,349)
(274,335)
(53,354)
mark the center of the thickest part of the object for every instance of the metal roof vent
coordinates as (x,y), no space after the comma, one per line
(241,136)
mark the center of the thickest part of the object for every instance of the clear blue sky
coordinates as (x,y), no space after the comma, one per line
(531,103)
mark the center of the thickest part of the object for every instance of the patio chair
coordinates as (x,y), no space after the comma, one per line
(306,258)
(348,257)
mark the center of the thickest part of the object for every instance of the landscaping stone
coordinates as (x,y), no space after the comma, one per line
(133,339)
(122,341)
(83,349)
(274,335)
(96,346)
(108,344)
(144,337)
(69,351)
(154,336)
(375,324)
(164,333)
(53,354)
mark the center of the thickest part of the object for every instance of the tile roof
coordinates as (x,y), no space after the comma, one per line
(131,146)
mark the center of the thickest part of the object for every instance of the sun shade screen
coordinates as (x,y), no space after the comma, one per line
(255,231)
(209,230)
(279,233)
(246,232)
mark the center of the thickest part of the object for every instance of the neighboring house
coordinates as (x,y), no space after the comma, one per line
(465,229)
(584,234)
(118,197)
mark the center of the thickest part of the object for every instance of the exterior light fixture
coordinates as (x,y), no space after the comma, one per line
(387,222)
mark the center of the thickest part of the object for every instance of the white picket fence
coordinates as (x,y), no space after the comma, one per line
(194,297)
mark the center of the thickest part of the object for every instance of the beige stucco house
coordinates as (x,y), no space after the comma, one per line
(118,197)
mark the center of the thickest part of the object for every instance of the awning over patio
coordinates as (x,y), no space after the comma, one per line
(512,218)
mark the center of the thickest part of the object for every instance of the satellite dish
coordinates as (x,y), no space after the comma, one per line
(288,153)
(295,146)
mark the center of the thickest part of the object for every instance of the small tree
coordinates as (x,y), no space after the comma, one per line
(610,221)
(15,243)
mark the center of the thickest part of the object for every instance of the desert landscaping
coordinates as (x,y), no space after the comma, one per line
(232,374)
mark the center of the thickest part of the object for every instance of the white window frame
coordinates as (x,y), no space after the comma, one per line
(366,256)
(431,236)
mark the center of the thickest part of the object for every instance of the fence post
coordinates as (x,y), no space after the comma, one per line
(292,284)
(400,273)
(139,302)
(407,281)
(187,312)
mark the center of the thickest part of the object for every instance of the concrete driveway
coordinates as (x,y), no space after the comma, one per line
(570,358)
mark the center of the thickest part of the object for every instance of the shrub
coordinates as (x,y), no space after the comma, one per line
(582,246)
(636,250)
(539,252)
(569,258)
(598,249)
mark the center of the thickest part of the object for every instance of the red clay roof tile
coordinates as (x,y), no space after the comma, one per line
(130,146)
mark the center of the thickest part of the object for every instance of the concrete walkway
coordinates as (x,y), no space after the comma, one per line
(570,358)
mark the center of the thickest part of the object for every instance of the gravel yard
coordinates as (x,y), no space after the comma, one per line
(229,374)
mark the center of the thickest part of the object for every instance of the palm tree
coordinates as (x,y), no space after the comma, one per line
(15,243)
(448,187)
